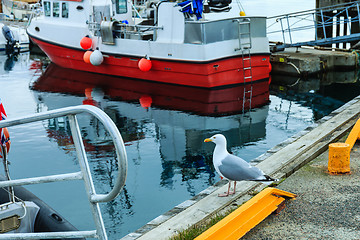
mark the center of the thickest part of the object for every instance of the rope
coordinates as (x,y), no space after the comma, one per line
(357,57)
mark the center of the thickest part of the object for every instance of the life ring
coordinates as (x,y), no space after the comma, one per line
(7,140)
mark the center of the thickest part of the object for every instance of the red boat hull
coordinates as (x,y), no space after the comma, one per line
(221,73)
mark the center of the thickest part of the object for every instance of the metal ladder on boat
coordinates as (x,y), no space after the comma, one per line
(84,174)
(245,47)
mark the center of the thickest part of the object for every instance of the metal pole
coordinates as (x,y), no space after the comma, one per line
(81,155)
(348,20)
(358,10)
(282,30)
(316,26)
(323,23)
(287,19)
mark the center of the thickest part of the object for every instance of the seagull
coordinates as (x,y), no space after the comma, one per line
(234,168)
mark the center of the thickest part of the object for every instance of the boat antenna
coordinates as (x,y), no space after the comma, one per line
(241,8)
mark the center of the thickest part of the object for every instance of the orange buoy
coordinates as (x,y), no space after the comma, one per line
(86,56)
(86,42)
(7,140)
(145,64)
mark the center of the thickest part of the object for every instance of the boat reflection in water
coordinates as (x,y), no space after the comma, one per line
(163,127)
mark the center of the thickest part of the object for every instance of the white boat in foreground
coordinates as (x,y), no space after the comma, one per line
(21,217)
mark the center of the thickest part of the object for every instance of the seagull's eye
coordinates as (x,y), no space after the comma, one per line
(214,137)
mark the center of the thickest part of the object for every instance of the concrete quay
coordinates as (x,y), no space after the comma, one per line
(306,62)
(302,218)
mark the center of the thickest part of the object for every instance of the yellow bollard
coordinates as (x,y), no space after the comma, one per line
(339,158)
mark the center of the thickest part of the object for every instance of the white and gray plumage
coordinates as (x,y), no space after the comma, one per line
(234,168)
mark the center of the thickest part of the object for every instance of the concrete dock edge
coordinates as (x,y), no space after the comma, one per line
(279,162)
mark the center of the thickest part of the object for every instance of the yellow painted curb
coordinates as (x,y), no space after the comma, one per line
(247,216)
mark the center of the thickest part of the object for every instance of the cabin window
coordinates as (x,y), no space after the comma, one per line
(47,9)
(56,9)
(64,10)
(121,6)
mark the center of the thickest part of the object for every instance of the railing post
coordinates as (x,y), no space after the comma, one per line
(282,30)
(348,20)
(358,11)
(81,155)
(287,19)
(323,22)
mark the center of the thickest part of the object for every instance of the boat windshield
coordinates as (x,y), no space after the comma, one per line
(121,6)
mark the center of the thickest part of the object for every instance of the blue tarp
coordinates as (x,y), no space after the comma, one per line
(192,7)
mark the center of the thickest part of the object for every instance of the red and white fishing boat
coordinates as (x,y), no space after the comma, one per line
(184,43)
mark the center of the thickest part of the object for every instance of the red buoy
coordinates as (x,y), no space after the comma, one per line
(145,101)
(144,64)
(86,56)
(86,42)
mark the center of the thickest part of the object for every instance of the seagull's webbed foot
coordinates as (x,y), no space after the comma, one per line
(224,195)
(228,191)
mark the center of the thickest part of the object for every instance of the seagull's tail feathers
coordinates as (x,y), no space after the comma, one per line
(267,180)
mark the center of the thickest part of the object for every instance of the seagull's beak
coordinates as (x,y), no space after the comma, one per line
(207,140)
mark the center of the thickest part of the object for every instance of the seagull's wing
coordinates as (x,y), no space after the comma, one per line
(237,169)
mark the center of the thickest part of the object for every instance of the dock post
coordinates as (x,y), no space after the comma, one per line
(339,158)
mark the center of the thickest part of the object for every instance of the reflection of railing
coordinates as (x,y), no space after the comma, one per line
(84,174)
(326,21)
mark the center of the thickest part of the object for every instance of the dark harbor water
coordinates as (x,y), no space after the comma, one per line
(163,128)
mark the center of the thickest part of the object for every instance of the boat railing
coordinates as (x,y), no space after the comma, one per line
(142,32)
(110,30)
(205,32)
(85,174)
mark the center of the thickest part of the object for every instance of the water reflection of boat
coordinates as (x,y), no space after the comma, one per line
(210,110)
(167,131)
(197,100)
(8,62)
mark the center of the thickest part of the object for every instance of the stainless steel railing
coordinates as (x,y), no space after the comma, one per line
(84,174)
